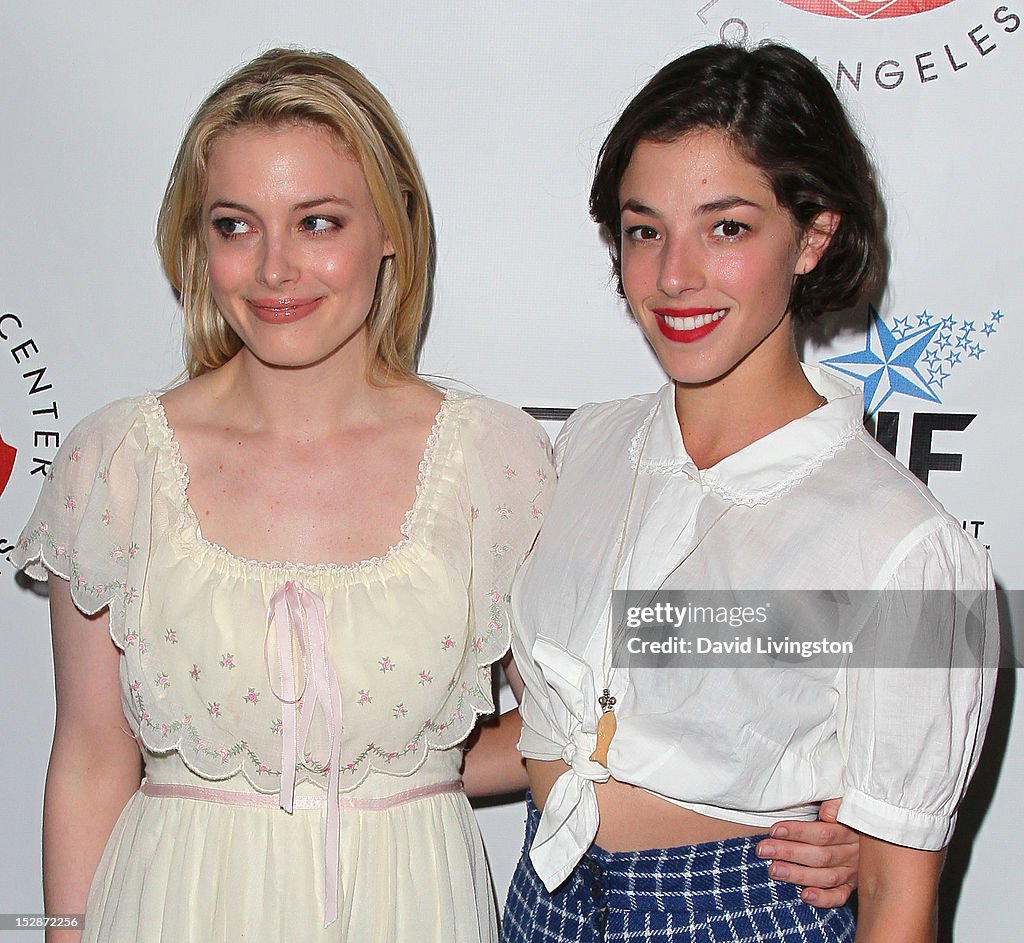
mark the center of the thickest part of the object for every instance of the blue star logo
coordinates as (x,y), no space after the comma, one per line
(888,364)
(914,361)
(901,327)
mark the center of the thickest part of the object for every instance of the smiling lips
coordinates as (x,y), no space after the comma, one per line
(282,310)
(688,324)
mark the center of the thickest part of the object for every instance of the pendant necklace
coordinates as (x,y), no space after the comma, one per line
(606,723)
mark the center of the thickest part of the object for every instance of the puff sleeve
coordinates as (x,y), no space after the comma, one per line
(82,526)
(918,693)
(511,480)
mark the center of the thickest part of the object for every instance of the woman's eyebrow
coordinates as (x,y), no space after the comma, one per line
(635,206)
(304,205)
(321,200)
(720,205)
(723,204)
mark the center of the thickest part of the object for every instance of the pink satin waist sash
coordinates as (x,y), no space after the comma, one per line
(259,800)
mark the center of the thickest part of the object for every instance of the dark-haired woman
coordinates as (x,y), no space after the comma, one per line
(737,199)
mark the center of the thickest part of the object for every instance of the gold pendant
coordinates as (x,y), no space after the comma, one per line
(606,725)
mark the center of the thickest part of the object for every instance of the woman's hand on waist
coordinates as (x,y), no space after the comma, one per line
(821,856)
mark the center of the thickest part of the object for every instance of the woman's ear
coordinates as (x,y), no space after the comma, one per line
(815,241)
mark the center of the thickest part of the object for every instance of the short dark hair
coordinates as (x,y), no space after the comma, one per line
(782,115)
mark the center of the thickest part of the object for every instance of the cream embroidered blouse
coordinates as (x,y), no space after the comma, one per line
(815,505)
(411,635)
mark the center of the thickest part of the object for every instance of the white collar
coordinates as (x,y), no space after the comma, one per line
(769,466)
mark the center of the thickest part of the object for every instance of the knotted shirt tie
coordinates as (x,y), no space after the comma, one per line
(569,822)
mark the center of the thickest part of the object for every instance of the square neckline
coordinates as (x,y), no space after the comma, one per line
(189,522)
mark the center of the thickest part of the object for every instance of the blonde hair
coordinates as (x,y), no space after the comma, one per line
(283,87)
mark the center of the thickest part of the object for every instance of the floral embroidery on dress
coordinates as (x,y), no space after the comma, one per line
(42,534)
(494,624)
(211,734)
(372,749)
(198,743)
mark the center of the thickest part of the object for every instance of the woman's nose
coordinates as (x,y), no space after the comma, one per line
(681,268)
(278,264)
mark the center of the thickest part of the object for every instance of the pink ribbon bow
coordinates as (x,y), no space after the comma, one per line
(298,613)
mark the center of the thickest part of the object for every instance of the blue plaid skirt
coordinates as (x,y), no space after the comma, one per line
(718,891)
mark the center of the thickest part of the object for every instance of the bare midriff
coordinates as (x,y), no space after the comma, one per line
(633,819)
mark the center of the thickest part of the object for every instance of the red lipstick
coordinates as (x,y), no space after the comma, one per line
(687,325)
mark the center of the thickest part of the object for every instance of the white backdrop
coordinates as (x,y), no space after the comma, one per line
(506,104)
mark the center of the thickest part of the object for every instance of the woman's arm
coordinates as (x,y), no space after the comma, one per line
(898,894)
(95,764)
(821,856)
(493,766)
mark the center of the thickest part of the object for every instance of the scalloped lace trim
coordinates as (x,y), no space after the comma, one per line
(652,466)
(755,498)
(748,498)
(189,523)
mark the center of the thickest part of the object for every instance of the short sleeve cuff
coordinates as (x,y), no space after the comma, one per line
(913,829)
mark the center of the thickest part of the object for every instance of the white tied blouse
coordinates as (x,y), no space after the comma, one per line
(814,505)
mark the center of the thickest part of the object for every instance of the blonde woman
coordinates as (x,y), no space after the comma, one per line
(283,582)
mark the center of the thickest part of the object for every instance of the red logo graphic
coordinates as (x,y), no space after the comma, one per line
(7,453)
(866,9)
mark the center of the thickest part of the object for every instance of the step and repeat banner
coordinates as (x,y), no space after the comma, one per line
(506,105)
